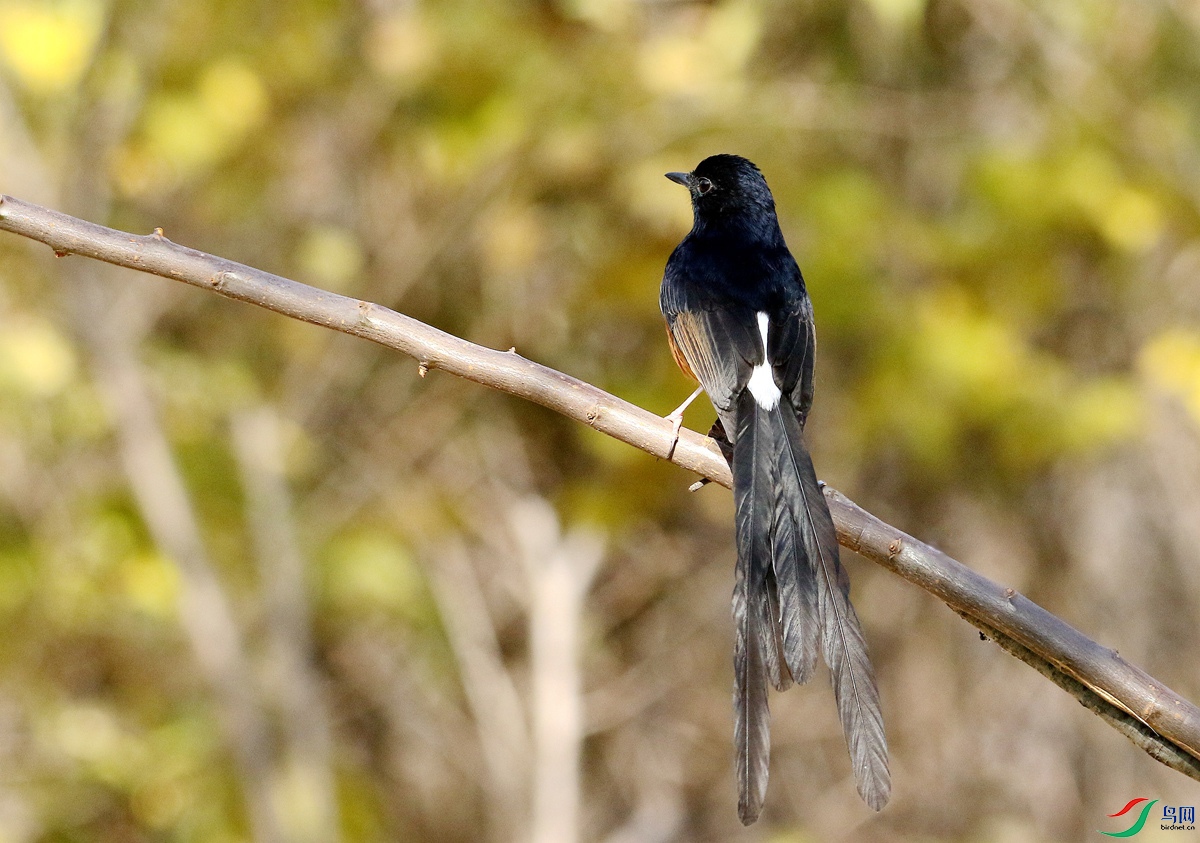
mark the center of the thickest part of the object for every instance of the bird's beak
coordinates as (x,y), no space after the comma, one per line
(681,178)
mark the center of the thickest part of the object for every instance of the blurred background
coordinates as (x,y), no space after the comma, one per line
(261,582)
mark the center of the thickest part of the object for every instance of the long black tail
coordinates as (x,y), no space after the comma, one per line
(791,599)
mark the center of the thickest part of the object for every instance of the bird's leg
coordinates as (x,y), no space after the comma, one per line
(676,420)
(676,416)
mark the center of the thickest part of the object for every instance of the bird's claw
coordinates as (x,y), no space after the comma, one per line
(676,420)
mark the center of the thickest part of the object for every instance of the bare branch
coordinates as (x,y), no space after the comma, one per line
(1003,613)
(433,349)
(1157,719)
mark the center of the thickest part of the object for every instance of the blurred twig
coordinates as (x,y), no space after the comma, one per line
(205,611)
(560,570)
(311,811)
(488,686)
(204,608)
(1123,691)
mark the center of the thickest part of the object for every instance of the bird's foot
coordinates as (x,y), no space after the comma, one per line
(676,420)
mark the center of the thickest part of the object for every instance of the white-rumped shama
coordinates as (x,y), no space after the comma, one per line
(740,321)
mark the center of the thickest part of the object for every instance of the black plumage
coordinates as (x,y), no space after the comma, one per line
(740,321)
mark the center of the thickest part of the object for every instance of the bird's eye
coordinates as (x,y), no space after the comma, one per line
(704,186)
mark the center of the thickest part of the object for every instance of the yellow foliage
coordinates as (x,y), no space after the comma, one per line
(609,15)
(455,152)
(331,256)
(48,45)
(400,47)
(704,61)
(233,97)
(1132,220)
(91,735)
(898,13)
(1128,218)
(151,583)
(296,790)
(1101,412)
(179,131)
(35,358)
(160,803)
(967,351)
(1171,362)
(965,367)
(371,569)
(186,133)
(86,732)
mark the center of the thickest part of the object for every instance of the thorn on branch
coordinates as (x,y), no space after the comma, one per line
(699,484)
(422,368)
(61,253)
(158,232)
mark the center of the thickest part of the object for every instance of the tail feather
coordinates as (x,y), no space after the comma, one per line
(842,642)
(791,600)
(751,596)
(792,566)
(773,644)
(752,718)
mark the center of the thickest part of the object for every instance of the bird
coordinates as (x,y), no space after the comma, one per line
(740,321)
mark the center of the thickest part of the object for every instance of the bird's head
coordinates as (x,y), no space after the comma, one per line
(725,187)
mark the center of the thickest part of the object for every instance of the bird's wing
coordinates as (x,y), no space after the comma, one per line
(721,348)
(791,350)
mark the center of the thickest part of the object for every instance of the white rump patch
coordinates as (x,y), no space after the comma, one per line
(762,380)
